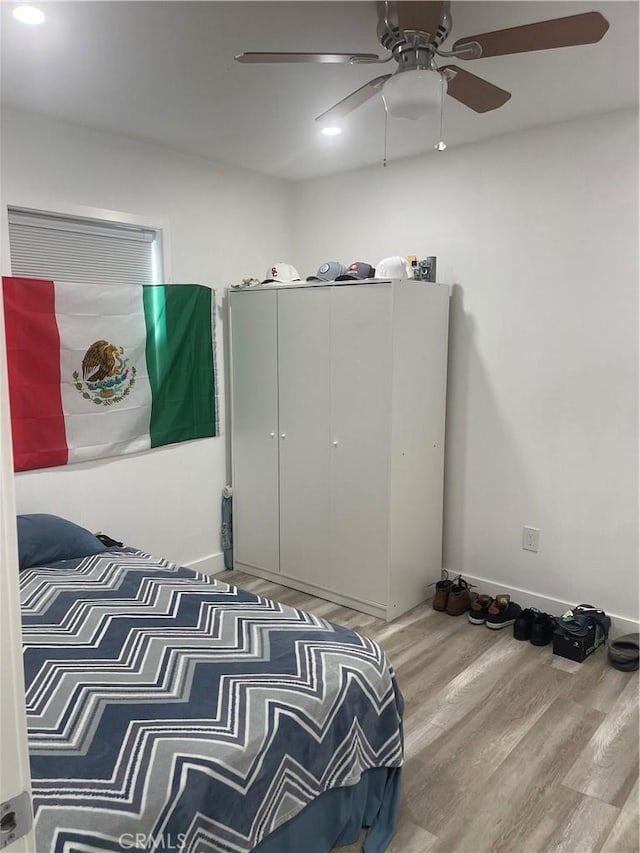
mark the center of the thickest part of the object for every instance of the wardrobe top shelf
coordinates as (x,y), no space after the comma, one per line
(306,284)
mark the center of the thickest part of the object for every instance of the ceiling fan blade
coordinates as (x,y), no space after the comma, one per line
(587,28)
(422,16)
(354,100)
(348,58)
(474,92)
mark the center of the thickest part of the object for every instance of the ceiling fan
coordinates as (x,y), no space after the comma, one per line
(413,34)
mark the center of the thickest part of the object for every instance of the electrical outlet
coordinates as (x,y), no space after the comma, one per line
(531,538)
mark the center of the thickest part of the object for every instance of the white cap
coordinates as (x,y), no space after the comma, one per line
(394,267)
(282,273)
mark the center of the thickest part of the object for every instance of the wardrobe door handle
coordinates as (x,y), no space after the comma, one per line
(335,443)
(283,435)
(272,435)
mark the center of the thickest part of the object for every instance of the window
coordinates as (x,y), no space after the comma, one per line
(95,251)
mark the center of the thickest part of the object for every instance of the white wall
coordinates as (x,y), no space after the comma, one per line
(538,233)
(222,225)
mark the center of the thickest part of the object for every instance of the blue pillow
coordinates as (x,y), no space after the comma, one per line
(44,539)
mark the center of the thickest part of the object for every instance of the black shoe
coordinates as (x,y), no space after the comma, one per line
(503,612)
(542,629)
(523,624)
(479,609)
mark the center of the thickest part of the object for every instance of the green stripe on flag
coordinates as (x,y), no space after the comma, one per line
(180,362)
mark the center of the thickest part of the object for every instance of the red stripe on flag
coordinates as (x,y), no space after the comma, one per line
(33,362)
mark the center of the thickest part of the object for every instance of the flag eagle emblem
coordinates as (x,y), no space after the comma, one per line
(106,375)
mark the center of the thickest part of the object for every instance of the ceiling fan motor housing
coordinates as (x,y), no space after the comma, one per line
(398,41)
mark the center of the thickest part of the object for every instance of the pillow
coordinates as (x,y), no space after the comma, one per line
(44,539)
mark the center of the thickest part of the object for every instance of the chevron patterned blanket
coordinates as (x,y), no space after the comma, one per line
(168,710)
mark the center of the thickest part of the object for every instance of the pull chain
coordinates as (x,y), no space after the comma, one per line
(441,146)
(386,123)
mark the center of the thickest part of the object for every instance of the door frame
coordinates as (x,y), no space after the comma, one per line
(15,776)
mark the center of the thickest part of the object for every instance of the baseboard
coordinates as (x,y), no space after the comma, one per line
(210,565)
(619,624)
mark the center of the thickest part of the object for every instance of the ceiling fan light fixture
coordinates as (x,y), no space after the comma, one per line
(414,94)
(28,15)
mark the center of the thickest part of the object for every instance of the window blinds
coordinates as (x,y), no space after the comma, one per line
(61,248)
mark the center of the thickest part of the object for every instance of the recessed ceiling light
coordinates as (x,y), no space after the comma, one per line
(28,15)
(331,131)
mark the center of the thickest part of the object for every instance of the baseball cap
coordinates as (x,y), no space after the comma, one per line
(281,272)
(328,271)
(357,270)
(394,267)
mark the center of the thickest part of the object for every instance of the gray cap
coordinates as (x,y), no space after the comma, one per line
(357,270)
(328,271)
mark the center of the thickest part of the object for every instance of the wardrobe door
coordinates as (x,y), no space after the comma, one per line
(303,367)
(360,427)
(254,360)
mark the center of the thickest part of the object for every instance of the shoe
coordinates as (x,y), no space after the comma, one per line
(459,600)
(542,629)
(441,595)
(624,652)
(479,609)
(524,622)
(503,612)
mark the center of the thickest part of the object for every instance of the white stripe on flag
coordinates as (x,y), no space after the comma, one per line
(103,425)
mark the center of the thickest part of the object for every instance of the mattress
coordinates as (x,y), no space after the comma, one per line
(170,710)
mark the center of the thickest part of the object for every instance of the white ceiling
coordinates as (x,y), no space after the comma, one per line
(165,72)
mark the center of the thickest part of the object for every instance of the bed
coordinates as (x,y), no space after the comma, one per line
(168,710)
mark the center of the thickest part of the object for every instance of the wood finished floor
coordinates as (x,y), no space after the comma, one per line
(507,747)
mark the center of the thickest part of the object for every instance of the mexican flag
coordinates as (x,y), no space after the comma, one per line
(97,371)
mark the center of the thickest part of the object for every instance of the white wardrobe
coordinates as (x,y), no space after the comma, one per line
(338,414)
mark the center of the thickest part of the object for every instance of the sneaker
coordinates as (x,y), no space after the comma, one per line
(503,612)
(441,595)
(459,600)
(524,622)
(479,609)
(542,629)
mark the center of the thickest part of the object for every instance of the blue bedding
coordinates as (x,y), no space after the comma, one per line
(169,710)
